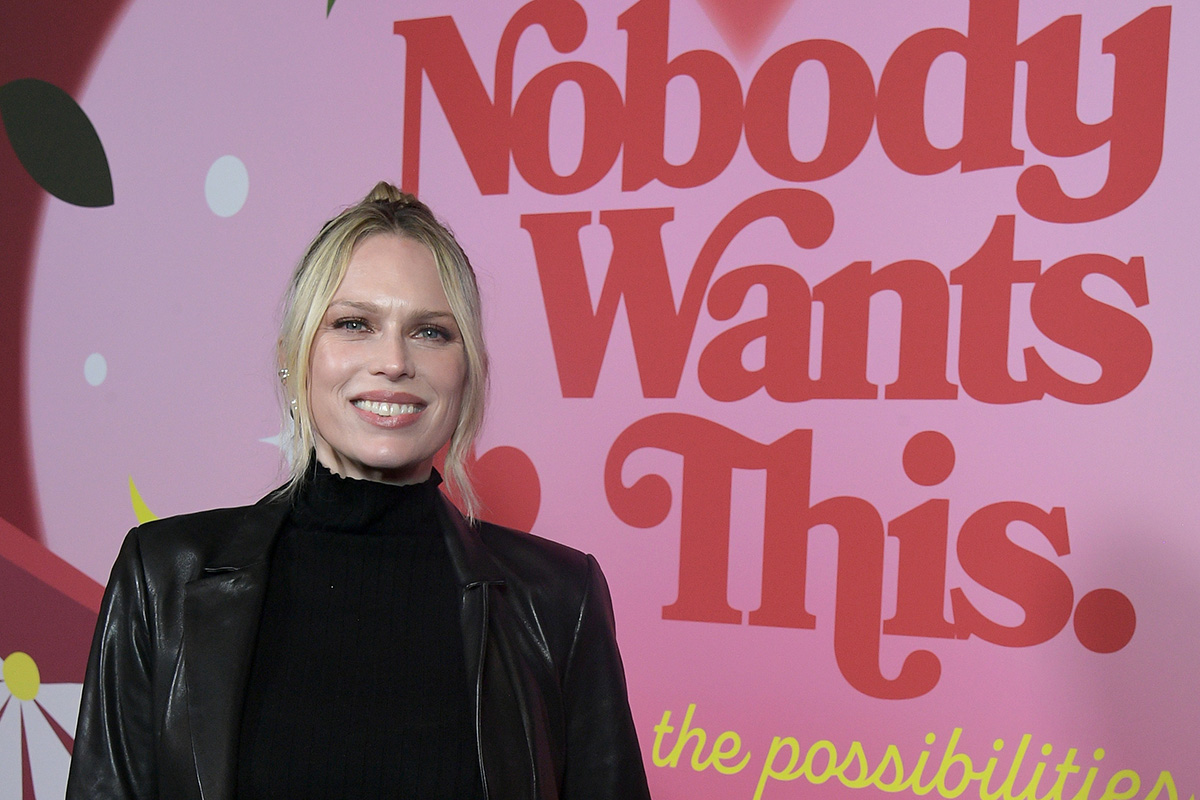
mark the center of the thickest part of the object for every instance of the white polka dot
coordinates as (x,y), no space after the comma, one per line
(95,369)
(226,186)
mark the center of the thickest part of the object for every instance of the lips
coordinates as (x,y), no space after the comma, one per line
(389,409)
(384,409)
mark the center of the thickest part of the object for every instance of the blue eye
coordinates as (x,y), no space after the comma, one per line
(351,324)
(433,332)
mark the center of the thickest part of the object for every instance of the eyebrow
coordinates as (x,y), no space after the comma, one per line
(360,305)
(374,308)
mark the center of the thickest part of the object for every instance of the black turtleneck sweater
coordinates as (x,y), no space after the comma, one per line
(358,686)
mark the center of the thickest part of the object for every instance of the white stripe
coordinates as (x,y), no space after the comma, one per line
(48,758)
(10,747)
(61,701)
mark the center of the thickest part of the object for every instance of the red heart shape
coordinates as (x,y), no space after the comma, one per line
(745,24)
(507,483)
(509,487)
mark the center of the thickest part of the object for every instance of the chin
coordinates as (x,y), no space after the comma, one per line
(398,466)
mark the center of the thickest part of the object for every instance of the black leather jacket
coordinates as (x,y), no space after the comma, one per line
(162,701)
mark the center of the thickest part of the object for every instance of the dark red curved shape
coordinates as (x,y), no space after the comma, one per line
(55,42)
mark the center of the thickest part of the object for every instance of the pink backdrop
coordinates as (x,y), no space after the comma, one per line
(856,340)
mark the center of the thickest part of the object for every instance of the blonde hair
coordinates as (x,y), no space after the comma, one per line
(385,210)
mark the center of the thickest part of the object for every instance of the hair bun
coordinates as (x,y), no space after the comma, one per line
(385,192)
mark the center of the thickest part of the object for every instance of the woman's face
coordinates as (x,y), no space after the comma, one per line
(388,367)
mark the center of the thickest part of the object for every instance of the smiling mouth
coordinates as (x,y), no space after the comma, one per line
(387,409)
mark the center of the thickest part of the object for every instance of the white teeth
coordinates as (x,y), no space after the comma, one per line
(387,409)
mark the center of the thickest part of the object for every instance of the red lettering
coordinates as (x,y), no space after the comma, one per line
(784,331)
(987,279)
(489,130)
(480,126)
(647,73)
(851,110)
(1112,338)
(1134,130)
(602,128)
(710,453)
(638,273)
(991,559)
(662,331)
(859,597)
(989,52)
(923,534)
(924,329)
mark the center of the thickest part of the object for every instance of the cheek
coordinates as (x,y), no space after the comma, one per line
(325,371)
(451,387)
(457,381)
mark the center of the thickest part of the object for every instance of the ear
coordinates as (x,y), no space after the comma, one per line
(282,372)
(280,360)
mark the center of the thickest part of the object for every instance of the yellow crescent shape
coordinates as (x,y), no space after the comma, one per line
(140,510)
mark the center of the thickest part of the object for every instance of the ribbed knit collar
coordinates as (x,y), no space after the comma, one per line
(328,502)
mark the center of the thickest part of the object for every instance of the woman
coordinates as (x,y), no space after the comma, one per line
(352,634)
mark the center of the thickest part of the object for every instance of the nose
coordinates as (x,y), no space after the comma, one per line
(391,358)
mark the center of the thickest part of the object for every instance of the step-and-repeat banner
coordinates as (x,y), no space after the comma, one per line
(857,340)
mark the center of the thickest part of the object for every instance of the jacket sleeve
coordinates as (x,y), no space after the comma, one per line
(114,750)
(603,760)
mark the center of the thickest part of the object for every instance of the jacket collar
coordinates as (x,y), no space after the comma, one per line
(473,562)
(250,539)
(221,614)
(220,622)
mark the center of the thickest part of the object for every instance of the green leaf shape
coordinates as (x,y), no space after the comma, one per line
(329,7)
(56,142)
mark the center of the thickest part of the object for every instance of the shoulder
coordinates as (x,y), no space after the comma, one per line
(534,557)
(186,544)
(560,580)
(508,542)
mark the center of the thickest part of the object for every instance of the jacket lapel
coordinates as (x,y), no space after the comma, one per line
(476,573)
(472,561)
(499,699)
(221,614)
